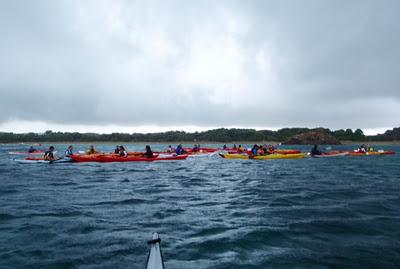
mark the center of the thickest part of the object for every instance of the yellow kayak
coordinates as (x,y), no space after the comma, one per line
(264,157)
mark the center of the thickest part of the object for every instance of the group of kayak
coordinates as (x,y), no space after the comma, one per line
(361,151)
(120,154)
(266,152)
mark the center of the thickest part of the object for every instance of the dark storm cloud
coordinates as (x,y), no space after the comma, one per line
(259,63)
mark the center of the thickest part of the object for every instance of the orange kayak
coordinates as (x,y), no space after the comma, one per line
(371,153)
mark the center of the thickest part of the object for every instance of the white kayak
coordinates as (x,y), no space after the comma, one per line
(26,153)
(201,155)
(38,152)
(62,160)
(328,155)
(155,259)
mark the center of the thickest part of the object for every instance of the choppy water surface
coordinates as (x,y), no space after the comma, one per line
(210,213)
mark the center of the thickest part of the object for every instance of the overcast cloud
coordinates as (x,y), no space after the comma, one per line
(200,63)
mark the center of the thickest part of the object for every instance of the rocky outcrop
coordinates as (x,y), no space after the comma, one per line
(311,138)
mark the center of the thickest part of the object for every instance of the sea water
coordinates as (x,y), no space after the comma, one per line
(210,212)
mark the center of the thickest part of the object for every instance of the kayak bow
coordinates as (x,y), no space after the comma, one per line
(155,258)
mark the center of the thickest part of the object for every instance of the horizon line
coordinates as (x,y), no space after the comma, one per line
(200,130)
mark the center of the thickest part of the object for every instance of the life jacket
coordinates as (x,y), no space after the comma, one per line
(149,154)
(91,151)
(48,155)
(68,152)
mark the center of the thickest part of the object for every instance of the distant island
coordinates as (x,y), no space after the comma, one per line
(221,135)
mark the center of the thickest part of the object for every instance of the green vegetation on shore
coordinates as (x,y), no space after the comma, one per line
(216,135)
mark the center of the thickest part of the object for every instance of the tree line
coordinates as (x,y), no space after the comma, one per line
(215,135)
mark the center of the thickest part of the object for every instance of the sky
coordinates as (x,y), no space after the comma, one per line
(147,66)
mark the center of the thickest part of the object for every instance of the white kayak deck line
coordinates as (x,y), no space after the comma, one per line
(155,259)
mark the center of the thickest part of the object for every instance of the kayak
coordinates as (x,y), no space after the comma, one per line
(264,157)
(207,149)
(371,153)
(330,154)
(287,151)
(85,157)
(155,258)
(107,158)
(201,154)
(190,150)
(91,157)
(42,160)
(36,152)
(235,151)
(135,153)
(277,151)
(113,158)
(171,154)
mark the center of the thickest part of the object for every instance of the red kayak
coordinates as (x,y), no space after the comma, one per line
(371,153)
(85,157)
(113,158)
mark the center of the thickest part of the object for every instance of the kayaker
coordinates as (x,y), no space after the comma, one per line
(262,150)
(315,151)
(224,147)
(148,152)
(234,146)
(268,149)
(370,148)
(122,152)
(69,152)
(240,149)
(170,149)
(362,149)
(49,155)
(254,150)
(117,150)
(179,150)
(31,149)
(271,149)
(196,148)
(91,150)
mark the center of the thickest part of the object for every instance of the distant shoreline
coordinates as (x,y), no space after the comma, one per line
(284,135)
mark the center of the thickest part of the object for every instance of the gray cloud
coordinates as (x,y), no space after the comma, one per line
(259,63)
